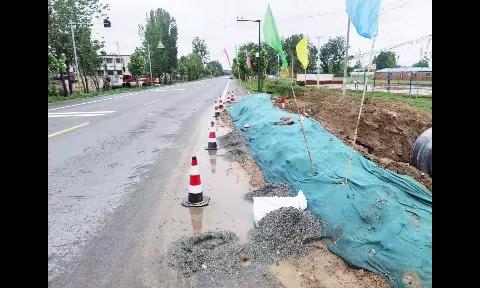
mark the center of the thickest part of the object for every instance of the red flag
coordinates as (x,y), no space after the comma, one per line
(225,50)
(249,62)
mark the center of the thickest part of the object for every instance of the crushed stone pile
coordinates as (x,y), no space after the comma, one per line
(234,144)
(284,232)
(270,190)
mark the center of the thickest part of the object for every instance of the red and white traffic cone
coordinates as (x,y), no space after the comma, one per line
(195,193)
(217,111)
(220,104)
(283,100)
(212,140)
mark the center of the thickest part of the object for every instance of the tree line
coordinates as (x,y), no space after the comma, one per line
(331,56)
(159,35)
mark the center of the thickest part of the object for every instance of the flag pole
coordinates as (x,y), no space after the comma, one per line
(370,60)
(344,82)
(305,76)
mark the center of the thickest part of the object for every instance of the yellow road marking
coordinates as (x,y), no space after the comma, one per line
(67,130)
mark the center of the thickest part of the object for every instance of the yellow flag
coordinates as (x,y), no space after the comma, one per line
(302,52)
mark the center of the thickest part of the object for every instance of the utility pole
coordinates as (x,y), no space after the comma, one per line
(259,49)
(344,83)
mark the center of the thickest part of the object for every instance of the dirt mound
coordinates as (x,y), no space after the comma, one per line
(387,129)
(269,190)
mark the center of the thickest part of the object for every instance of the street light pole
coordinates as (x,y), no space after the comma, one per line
(259,49)
(258,63)
(74,47)
(149,61)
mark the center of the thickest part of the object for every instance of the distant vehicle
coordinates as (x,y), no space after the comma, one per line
(148,81)
(231,76)
(129,81)
(116,82)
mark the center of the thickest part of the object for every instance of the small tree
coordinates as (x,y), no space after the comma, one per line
(422,63)
(385,59)
(137,64)
(199,47)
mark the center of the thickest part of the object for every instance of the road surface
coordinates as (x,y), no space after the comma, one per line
(109,159)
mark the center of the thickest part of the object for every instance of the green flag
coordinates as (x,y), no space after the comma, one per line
(270,34)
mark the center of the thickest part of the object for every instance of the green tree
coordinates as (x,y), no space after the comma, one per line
(60,13)
(161,27)
(199,47)
(332,56)
(89,59)
(251,48)
(385,59)
(422,63)
(358,65)
(214,68)
(289,45)
(138,63)
(190,66)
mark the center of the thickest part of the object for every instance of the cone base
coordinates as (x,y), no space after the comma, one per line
(204,202)
(211,148)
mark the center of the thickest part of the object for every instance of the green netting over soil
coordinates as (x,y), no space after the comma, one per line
(379,220)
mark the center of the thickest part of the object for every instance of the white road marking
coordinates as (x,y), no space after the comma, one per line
(152,101)
(79,114)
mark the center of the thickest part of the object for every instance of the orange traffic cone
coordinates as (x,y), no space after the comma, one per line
(195,193)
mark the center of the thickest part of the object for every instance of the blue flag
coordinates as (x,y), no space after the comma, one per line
(364,16)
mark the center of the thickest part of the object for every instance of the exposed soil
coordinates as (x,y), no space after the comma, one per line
(386,132)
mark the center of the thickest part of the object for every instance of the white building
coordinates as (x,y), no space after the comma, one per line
(114,65)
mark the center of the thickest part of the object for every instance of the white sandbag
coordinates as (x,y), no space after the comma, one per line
(264,205)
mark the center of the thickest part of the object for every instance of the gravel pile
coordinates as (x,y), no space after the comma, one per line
(234,144)
(284,232)
(276,189)
(216,259)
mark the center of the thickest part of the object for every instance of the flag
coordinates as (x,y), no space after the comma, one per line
(225,50)
(364,16)
(270,34)
(302,51)
(249,62)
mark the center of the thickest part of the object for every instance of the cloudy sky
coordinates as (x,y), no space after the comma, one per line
(215,21)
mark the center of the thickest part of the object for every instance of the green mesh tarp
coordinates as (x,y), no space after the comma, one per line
(378,220)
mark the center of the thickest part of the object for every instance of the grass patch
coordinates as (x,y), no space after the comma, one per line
(282,87)
(420,102)
(54,99)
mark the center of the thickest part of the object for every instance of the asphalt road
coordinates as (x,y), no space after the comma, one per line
(107,159)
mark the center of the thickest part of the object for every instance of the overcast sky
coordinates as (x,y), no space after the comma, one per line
(215,21)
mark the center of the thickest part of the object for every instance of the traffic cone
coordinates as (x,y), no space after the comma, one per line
(212,155)
(283,100)
(212,140)
(220,104)
(196,215)
(213,126)
(217,112)
(195,193)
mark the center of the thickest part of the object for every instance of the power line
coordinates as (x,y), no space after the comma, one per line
(410,42)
